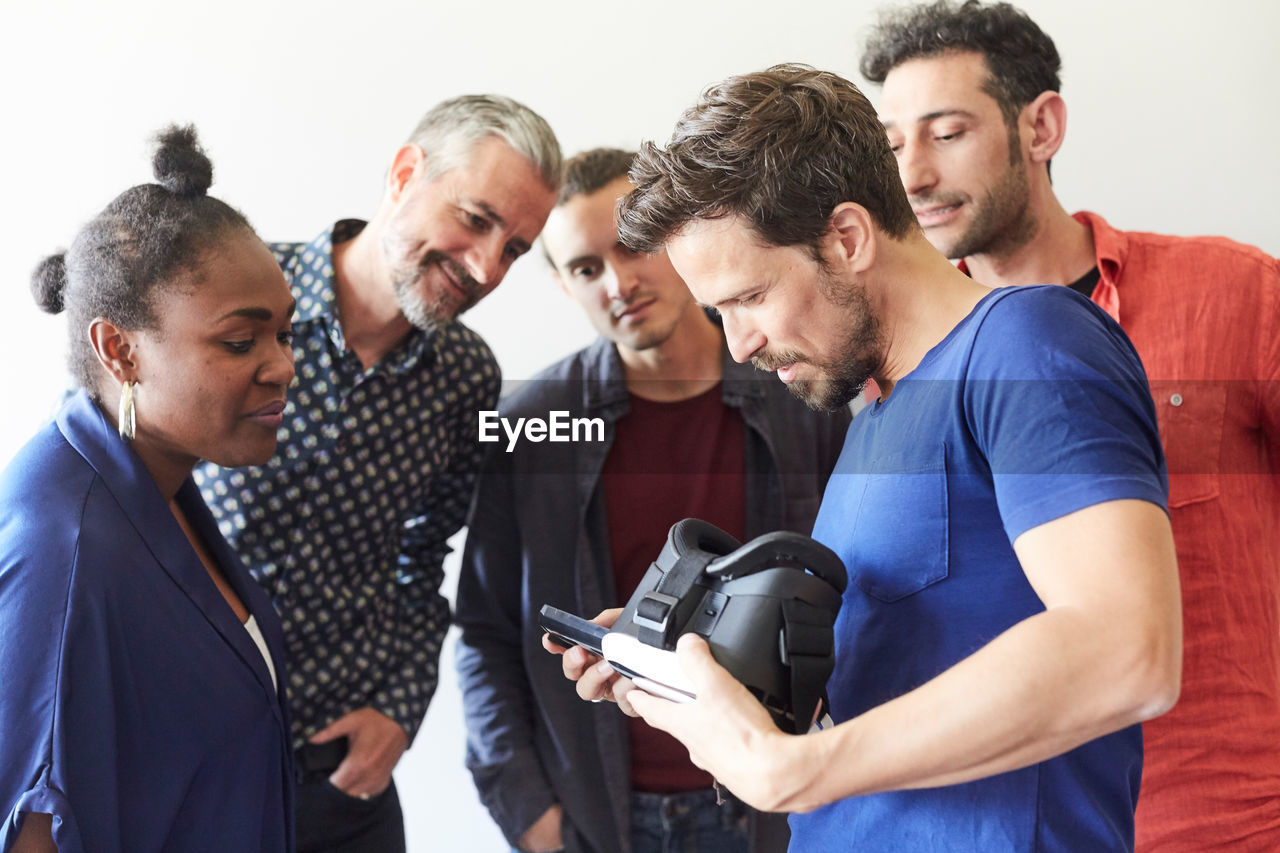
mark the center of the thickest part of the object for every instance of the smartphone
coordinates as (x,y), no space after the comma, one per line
(569,630)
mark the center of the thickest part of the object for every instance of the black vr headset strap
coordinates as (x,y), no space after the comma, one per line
(654,616)
(783,548)
(808,643)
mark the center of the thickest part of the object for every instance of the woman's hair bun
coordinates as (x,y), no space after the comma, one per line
(180,164)
(49,283)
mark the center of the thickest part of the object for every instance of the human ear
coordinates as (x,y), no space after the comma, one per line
(114,348)
(851,236)
(1046,117)
(406,166)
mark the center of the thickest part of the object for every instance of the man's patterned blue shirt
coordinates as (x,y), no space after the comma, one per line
(345,527)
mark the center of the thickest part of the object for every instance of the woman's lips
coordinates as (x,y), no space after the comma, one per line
(272,413)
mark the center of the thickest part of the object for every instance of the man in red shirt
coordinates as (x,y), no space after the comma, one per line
(971,105)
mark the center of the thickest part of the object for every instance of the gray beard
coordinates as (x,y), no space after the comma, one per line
(431,312)
(429,315)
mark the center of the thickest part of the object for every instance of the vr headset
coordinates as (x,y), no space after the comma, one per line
(767,610)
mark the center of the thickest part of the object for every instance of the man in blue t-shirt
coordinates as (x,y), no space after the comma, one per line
(1013,610)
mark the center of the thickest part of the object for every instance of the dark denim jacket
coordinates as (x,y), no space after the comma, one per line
(538,535)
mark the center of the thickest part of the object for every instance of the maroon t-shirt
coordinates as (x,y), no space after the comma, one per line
(669,461)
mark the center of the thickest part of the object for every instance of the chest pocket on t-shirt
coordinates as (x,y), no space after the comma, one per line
(1190,415)
(900,538)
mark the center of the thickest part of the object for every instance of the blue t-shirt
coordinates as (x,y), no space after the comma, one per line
(1034,406)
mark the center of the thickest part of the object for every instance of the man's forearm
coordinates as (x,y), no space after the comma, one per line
(1035,692)
(408,683)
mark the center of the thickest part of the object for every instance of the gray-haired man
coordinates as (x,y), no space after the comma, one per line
(377,456)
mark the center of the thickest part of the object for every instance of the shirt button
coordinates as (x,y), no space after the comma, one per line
(1176,399)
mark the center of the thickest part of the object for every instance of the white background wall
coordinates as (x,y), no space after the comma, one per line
(1173,127)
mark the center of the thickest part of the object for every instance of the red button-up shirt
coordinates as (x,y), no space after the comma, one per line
(1204,314)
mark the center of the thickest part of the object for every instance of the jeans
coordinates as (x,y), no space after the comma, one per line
(688,822)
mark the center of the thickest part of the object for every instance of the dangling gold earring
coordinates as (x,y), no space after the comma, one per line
(126,419)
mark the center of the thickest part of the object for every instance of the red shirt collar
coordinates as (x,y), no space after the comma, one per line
(1110,249)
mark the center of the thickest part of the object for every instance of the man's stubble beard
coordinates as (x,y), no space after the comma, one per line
(1002,221)
(855,360)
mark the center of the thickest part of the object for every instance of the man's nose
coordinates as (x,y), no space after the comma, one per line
(484,264)
(619,282)
(916,168)
(743,338)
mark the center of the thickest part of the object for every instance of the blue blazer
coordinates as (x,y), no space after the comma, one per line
(136,709)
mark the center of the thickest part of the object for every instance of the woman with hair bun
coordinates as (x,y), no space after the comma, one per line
(142,706)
